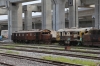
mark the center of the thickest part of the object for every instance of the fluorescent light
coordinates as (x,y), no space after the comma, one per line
(92,5)
(31,2)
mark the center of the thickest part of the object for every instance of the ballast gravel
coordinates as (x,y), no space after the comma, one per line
(21,62)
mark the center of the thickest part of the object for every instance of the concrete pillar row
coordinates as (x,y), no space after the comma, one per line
(58,14)
(97,14)
(28,17)
(46,15)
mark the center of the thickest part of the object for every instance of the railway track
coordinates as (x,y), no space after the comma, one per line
(5,64)
(60,49)
(84,47)
(90,48)
(55,53)
(39,60)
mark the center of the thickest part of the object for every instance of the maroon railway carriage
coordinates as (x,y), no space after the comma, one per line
(34,36)
(43,36)
(23,36)
(92,38)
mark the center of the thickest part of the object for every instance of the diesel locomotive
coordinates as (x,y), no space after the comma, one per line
(73,36)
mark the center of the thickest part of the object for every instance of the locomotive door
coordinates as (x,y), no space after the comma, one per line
(94,36)
(37,36)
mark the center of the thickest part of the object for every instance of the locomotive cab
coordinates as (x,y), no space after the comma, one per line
(92,38)
(46,36)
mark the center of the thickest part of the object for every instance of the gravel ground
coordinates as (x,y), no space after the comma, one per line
(38,55)
(41,55)
(21,62)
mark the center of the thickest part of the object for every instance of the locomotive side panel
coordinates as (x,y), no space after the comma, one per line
(46,38)
(87,40)
(23,37)
(13,37)
(32,36)
(95,40)
(20,37)
(29,36)
(92,39)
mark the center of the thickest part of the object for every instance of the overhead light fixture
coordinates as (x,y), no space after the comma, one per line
(92,6)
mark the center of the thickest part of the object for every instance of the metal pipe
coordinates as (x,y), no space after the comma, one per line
(98,15)
(55,13)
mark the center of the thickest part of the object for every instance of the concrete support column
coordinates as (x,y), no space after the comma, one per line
(58,14)
(28,17)
(46,14)
(14,17)
(73,14)
(97,14)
